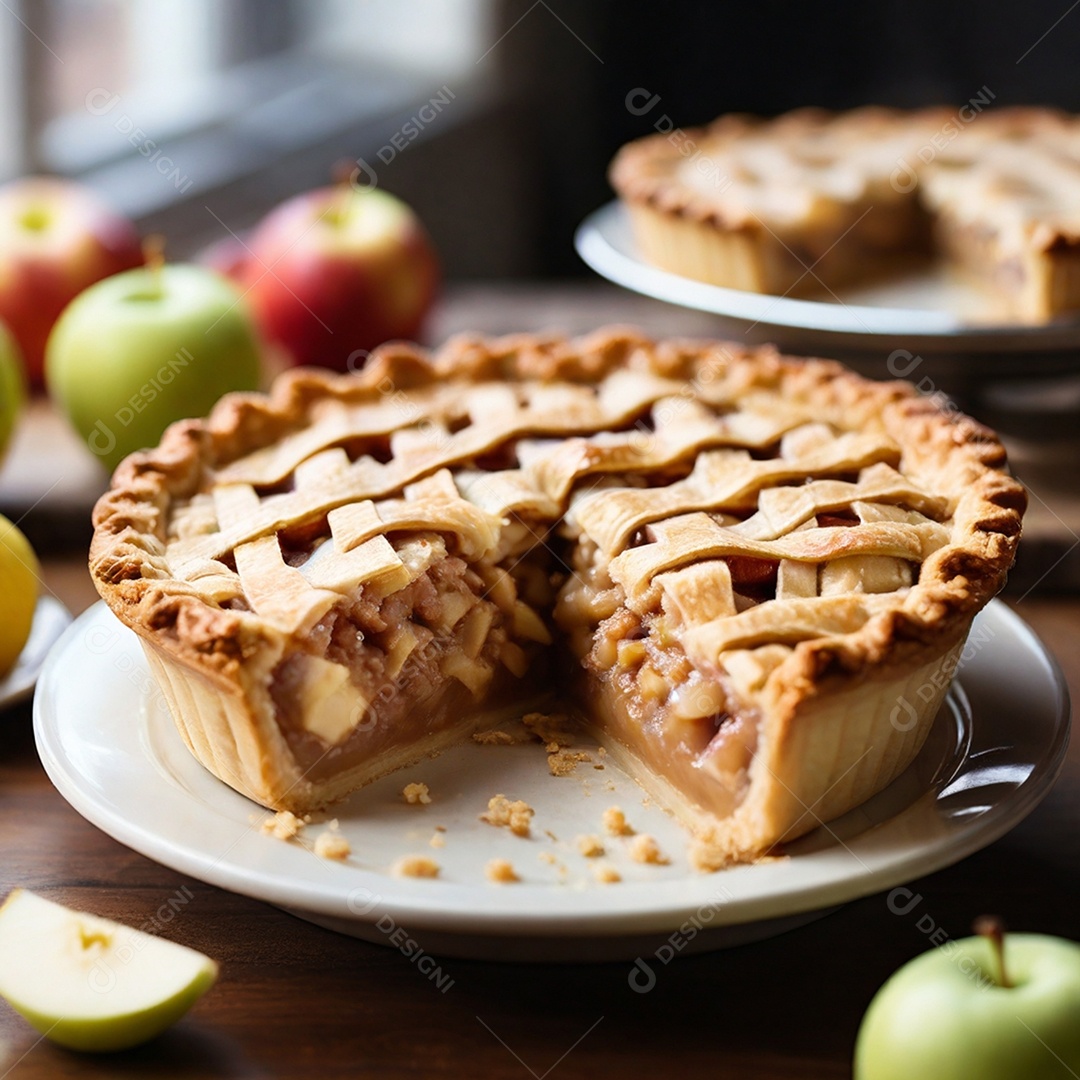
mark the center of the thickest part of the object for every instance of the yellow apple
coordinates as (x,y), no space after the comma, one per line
(19,576)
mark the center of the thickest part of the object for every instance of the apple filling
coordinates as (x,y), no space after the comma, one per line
(381,673)
(689,726)
(690,714)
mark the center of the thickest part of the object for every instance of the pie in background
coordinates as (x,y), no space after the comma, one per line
(813,201)
(751,574)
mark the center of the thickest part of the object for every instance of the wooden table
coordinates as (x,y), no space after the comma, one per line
(297,1001)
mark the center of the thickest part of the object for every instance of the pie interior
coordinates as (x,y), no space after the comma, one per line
(750,574)
(812,201)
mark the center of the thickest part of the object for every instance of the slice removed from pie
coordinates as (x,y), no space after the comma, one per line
(751,575)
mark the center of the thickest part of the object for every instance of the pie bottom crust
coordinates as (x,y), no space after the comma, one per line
(1033,285)
(227,732)
(813,763)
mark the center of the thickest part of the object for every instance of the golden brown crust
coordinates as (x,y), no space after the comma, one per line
(642,171)
(952,453)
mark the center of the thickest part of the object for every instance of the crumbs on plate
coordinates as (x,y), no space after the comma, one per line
(416,794)
(284,825)
(516,816)
(501,872)
(590,845)
(330,844)
(419,866)
(644,849)
(615,822)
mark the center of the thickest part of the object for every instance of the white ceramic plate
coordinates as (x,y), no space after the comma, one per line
(110,747)
(928,311)
(51,619)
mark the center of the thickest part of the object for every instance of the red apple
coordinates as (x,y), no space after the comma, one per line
(335,272)
(56,238)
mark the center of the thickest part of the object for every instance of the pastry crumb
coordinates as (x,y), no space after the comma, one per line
(563,762)
(283,825)
(438,839)
(590,845)
(644,849)
(500,871)
(615,822)
(515,816)
(550,728)
(606,874)
(415,866)
(416,793)
(499,737)
(332,845)
(551,860)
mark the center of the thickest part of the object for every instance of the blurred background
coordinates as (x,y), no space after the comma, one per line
(495,119)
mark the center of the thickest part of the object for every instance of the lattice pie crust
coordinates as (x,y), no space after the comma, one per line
(814,200)
(751,574)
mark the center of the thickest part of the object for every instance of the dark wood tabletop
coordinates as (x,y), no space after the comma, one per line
(294,1000)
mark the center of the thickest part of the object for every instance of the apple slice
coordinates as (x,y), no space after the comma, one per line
(92,984)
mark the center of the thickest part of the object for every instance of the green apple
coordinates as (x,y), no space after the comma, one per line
(142,349)
(92,984)
(985,1006)
(12,386)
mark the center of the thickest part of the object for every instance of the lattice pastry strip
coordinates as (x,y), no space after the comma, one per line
(781,621)
(692,537)
(557,467)
(559,410)
(214,581)
(509,491)
(783,509)
(721,479)
(420,452)
(698,593)
(279,593)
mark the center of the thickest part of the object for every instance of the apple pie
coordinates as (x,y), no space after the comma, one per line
(812,201)
(751,574)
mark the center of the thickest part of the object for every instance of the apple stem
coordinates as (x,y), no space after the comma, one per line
(342,175)
(154,257)
(993,927)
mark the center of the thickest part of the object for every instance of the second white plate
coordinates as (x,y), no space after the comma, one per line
(927,311)
(110,747)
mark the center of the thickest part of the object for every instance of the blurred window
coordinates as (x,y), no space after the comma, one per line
(85,84)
